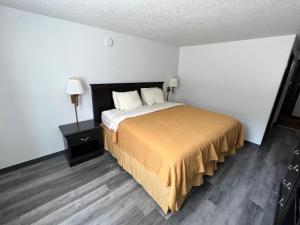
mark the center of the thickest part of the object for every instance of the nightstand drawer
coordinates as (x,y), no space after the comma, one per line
(82,138)
(291,177)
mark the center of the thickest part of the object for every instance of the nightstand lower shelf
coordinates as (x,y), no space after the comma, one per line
(84,148)
(83,158)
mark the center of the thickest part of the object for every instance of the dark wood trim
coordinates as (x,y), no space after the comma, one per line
(252,144)
(102,94)
(30,162)
(292,93)
(289,122)
(279,94)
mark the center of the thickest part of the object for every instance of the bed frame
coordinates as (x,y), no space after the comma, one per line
(102,94)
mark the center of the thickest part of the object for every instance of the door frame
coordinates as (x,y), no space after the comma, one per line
(289,68)
(291,93)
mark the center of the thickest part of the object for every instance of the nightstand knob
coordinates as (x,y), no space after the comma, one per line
(281,202)
(288,186)
(84,139)
(284,182)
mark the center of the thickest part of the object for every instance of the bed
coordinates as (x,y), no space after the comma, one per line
(167,147)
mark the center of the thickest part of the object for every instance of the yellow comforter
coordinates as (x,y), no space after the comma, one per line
(179,144)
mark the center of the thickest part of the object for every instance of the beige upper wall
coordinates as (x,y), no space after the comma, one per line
(239,78)
(39,53)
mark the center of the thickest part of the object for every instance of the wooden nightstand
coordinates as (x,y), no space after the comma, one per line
(83,141)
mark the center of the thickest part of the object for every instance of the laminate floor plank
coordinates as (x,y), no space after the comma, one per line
(153,218)
(29,173)
(29,184)
(244,190)
(55,181)
(114,214)
(54,189)
(73,207)
(80,192)
(99,208)
(133,217)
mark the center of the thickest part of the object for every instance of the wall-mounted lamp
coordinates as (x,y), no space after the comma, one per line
(173,83)
(74,89)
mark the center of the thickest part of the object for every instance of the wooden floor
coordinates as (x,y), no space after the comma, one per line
(243,191)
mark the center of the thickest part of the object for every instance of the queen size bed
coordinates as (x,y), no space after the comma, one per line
(166,147)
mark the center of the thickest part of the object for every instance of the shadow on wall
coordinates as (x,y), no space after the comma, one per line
(14,120)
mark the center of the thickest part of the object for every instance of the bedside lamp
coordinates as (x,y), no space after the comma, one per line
(173,83)
(74,89)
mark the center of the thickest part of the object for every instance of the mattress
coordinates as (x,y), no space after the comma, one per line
(113,117)
(108,116)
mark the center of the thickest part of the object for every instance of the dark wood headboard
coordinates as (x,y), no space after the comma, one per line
(102,94)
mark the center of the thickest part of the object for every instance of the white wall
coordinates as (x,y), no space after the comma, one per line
(239,78)
(39,53)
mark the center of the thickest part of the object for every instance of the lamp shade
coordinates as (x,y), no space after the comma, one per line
(173,82)
(74,87)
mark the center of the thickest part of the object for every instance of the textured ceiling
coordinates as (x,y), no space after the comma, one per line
(178,22)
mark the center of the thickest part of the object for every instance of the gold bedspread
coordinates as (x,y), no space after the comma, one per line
(173,148)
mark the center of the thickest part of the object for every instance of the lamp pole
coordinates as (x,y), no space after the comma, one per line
(74,100)
(168,91)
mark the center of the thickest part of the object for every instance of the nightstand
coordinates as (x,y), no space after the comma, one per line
(83,141)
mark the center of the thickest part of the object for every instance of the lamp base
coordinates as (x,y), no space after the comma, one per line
(74,99)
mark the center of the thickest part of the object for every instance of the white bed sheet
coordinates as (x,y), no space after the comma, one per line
(113,117)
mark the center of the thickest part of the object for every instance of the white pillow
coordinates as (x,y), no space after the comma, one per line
(152,96)
(129,100)
(116,101)
(143,90)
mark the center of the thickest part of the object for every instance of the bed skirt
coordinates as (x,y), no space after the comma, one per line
(149,180)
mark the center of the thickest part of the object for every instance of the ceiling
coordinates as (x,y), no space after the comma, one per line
(177,22)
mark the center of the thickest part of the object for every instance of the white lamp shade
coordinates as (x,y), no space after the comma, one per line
(173,82)
(74,87)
